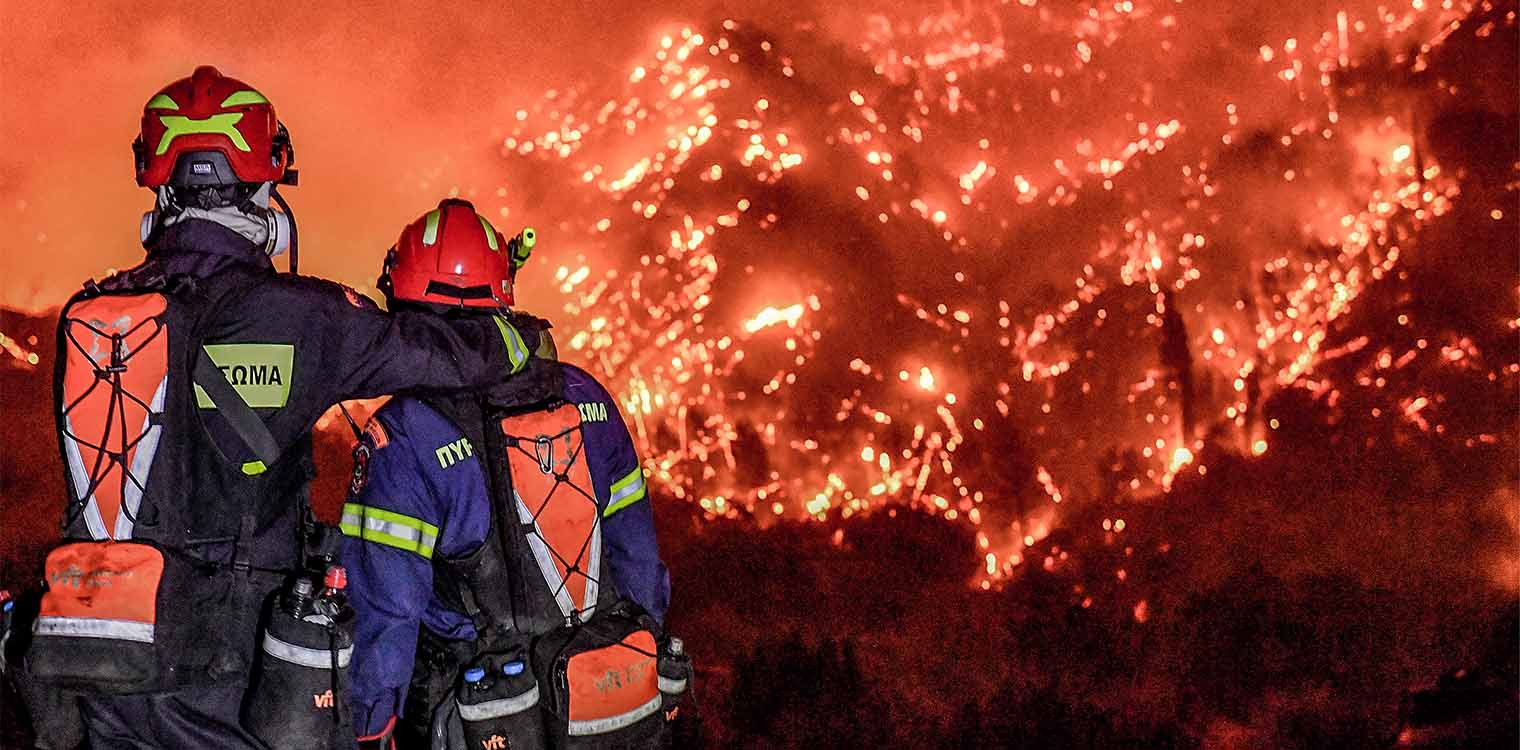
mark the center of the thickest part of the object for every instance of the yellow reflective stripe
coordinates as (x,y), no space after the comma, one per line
(490,233)
(389,528)
(626,491)
(430,229)
(517,349)
(254,468)
(161,101)
(633,476)
(222,124)
(244,97)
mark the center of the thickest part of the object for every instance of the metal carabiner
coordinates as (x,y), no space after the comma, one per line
(543,450)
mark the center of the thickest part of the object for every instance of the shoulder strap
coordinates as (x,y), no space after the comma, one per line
(245,422)
(250,428)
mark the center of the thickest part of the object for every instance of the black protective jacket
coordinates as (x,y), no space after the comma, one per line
(237,531)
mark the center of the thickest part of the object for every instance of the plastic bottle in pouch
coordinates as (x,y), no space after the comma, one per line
(331,606)
(297,697)
(498,706)
(674,669)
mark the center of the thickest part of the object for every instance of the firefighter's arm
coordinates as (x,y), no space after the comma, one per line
(628,522)
(369,353)
(389,533)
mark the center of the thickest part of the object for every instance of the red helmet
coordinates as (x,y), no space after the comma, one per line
(209,129)
(453,256)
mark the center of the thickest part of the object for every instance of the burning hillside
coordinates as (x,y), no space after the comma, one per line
(1097,374)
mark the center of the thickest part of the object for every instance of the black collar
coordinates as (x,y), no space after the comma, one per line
(203,247)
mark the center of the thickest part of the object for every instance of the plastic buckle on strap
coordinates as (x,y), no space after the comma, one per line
(240,565)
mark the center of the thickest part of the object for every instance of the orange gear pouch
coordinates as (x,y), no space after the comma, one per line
(95,627)
(613,693)
(614,686)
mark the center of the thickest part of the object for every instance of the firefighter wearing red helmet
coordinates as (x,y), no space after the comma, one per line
(465,268)
(480,633)
(178,610)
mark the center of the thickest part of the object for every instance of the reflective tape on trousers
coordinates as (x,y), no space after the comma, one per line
(316,658)
(95,627)
(499,707)
(613,723)
(668,685)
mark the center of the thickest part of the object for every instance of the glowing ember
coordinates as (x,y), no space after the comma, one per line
(771,316)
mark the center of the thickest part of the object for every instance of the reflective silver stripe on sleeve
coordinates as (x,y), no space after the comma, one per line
(668,685)
(316,658)
(613,723)
(632,488)
(400,531)
(95,627)
(499,707)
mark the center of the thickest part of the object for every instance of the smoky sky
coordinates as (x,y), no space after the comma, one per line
(390,106)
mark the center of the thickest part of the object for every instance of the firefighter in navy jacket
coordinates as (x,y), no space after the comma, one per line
(134,433)
(421,492)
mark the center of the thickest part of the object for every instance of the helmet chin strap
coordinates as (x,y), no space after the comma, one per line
(500,306)
(289,221)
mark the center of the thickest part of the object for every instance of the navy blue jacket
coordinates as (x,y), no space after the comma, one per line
(437,507)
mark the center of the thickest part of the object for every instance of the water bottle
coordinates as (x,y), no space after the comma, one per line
(297,696)
(331,606)
(498,705)
(297,600)
(674,669)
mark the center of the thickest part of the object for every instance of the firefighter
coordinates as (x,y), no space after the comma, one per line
(186,392)
(534,516)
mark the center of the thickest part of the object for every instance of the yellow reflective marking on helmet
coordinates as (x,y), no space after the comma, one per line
(222,124)
(161,101)
(243,98)
(490,233)
(430,229)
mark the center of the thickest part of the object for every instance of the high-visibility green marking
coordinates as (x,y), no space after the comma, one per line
(430,227)
(389,528)
(162,101)
(244,98)
(254,468)
(490,232)
(625,492)
(517,349)
(260,373)
(222,124)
